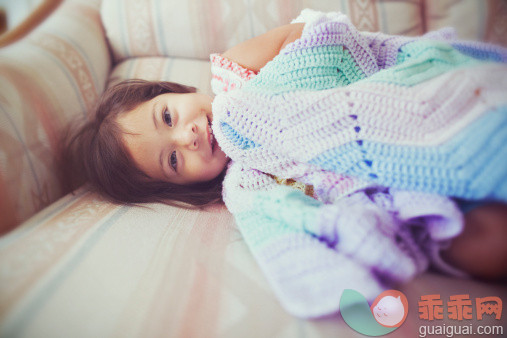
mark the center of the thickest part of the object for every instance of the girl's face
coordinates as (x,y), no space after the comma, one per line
(170,138)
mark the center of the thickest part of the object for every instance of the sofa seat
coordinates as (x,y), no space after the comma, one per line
(84,267)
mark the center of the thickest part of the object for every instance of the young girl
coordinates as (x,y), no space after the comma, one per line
(335,144)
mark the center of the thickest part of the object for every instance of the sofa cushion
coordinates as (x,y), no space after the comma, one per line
(84,267)
(189,72)
(86,263)
(196,29)
(47,79)
(472,19)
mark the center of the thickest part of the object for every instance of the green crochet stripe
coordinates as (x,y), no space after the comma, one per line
(420,61)
(325,67)
(304,70)
(270,208)
(260,229)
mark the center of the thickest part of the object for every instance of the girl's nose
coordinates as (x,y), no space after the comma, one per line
(189,137)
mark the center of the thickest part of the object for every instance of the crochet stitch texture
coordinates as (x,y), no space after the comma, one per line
(408,126)
(352,113)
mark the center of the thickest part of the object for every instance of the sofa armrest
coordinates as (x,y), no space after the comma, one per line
(33,20)
(52,76)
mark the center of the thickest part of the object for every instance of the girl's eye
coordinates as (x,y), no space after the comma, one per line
(167,118)
(174,160)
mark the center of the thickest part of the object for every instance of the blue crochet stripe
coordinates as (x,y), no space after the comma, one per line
(471,165)
(478,54)
(236,138)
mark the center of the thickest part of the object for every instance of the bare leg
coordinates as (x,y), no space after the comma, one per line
(481,250)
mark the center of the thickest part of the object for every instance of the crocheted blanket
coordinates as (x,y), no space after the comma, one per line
(364,118)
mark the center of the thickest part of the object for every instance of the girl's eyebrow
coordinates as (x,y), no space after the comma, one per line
(161,163)
(155,122)
(154,114)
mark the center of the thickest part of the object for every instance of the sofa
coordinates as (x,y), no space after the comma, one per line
(75,265)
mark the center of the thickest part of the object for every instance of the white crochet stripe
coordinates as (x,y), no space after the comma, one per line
(330,125)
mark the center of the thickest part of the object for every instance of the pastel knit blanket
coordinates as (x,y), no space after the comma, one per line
(384,128)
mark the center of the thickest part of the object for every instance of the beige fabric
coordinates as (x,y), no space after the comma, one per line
(473,20)
(46,80)
(190,72)
(196,29)
(87,268)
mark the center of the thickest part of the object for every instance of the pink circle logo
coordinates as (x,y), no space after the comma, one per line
(390,308)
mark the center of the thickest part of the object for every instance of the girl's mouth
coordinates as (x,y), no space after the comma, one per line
(211,137)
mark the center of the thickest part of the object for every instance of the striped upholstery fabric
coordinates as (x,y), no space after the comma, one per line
(46,80)
(87,268)
(190,72)
(197,28)
(474,20)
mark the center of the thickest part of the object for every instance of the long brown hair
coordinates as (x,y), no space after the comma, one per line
(94,153)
